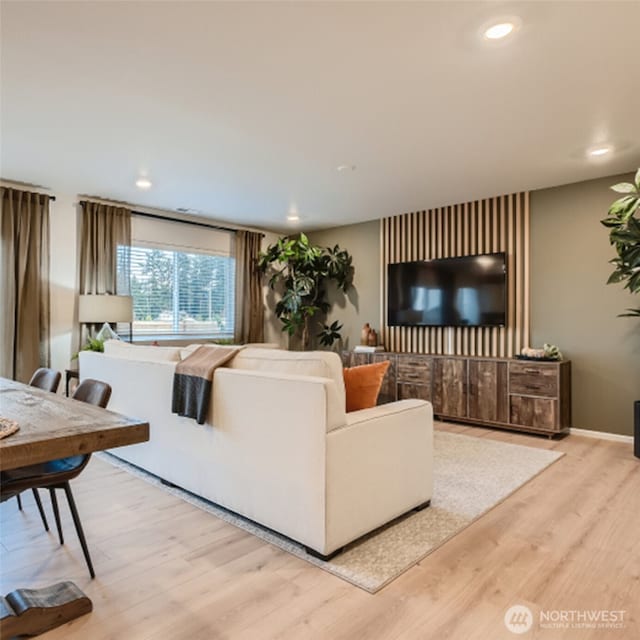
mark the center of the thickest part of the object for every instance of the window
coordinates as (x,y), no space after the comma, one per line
(180,293)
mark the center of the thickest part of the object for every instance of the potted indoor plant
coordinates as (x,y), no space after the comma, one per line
(623,222)
(301,271)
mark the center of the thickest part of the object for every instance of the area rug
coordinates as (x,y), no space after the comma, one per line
(471,476)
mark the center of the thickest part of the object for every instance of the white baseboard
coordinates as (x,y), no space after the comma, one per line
(601,435)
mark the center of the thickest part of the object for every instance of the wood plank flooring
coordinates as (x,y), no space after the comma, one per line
(568,540)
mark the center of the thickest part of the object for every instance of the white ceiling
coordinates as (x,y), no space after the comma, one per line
(242,110)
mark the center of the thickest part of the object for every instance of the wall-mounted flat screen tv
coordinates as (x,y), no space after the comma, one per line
(470,291)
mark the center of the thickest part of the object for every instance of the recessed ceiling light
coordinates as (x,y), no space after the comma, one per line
(346,167)
(499,30)
(600,150)
(143,183)
(293,217)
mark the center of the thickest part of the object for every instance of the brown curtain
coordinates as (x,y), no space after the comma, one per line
(249,322)
(24,279)
(103,227)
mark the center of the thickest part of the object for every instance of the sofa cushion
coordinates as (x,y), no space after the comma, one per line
(142,352)
(185,352)
(362,385)
(321,364)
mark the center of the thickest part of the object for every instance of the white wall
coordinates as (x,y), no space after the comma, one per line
(63,278)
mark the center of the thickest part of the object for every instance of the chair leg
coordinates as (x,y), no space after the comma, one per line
(56,513)
(80,532)
(36,497)
(19,502)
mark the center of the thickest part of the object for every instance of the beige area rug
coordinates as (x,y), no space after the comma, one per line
(471,475)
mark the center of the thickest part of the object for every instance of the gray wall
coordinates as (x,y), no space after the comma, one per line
(571,304)
(362,304)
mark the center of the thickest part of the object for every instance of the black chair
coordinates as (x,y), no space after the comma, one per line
(57,474)
(47,380)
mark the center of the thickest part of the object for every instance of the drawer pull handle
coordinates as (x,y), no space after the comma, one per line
(533,372)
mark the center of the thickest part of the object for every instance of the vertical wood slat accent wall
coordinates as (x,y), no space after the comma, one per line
(484,226)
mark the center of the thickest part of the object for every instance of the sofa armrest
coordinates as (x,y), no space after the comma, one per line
(382,411)
(381,461)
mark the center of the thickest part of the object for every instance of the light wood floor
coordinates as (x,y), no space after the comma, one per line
(569,540)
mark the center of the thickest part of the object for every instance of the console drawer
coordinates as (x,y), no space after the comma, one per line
(408,391)
(414,369)
(533,379)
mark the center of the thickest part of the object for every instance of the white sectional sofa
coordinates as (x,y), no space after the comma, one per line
(277,447)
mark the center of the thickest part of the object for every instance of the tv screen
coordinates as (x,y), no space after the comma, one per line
(470,291)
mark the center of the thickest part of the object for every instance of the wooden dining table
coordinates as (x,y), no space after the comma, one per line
(52,427)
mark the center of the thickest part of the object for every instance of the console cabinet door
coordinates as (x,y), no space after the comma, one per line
(488,393)
(539,413)
(413,374)
(388,390)
(450,387)
(353,359)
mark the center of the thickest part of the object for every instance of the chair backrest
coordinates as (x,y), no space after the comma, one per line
(93,392)
(46,379)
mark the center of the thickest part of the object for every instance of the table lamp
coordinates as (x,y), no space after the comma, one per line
(96,308)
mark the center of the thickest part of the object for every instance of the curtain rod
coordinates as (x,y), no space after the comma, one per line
(155,216)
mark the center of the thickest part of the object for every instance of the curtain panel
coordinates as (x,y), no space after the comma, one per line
(103,227)
(24,279)
(249,322)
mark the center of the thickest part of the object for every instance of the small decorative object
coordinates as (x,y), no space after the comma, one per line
(7,427)
(548,352)
(360,348)
(372,339)
(30,612)
(364,334)
(551,352)
(106,333)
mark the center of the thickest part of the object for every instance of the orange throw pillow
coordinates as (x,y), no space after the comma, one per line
(363,383)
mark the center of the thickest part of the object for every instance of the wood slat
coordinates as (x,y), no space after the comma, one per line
(498,224)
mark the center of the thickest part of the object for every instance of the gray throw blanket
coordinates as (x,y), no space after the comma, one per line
(193,381)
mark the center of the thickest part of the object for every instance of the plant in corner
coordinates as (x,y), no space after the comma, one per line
(301,271)
(624,234)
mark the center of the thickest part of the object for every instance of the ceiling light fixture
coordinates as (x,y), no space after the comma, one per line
(143,183)
(293,217)
(601,150)
(346,167)
(499,31)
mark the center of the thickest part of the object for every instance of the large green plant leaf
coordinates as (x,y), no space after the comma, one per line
(624,235)
(623,187)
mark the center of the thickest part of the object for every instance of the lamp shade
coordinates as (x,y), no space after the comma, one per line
(105,308)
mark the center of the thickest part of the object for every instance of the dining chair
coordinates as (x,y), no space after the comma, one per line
(57,474)
(47,380)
